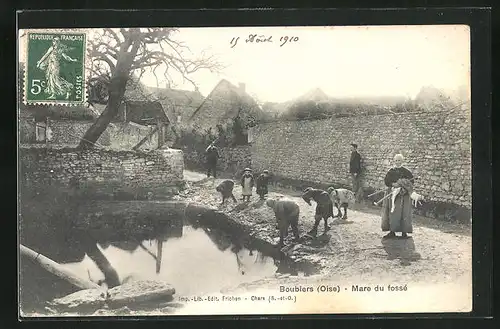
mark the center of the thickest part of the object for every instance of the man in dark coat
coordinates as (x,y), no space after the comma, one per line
(355,171)
(212,154)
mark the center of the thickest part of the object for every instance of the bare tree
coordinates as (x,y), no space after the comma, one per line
(119,54)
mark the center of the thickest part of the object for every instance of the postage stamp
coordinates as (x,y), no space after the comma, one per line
(316,169)
(55,68)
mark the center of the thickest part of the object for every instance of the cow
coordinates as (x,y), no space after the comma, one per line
(341,197)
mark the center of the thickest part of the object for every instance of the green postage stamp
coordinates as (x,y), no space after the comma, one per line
(55,68)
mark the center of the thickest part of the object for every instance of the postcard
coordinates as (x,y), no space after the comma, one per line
(244,170)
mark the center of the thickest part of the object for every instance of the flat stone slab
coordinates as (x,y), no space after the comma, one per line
(81,300)
(136,292)
(129,294)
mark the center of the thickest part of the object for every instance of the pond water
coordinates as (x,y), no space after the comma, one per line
(203,251)
(193,263)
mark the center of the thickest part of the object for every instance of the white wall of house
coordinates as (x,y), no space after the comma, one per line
(58,134)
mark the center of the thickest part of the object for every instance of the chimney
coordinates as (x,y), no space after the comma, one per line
(242,86)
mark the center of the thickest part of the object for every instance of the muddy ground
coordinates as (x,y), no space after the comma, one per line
(436,252)
(434,264)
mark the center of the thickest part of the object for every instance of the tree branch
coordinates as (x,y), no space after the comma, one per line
(108,50)
(104,58)
(143,247)
(114,35)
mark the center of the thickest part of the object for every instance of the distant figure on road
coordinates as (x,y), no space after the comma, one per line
(261,184)
(212,155)
(247,182)
(355,170)
(396,209)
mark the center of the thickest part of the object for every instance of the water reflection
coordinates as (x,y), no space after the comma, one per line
(202,250)
(201,261)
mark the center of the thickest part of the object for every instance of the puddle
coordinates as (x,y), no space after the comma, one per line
(193,263)
(203,250)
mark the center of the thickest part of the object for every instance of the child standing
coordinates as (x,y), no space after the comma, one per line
(247,182)
(261,184)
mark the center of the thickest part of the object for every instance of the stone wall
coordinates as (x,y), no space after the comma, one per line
(26,129)
(124,136)
(64,132)
(67,133)
(105,173)
(232,160)
(436,145)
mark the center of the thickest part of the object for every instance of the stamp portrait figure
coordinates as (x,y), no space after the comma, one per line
(55,70)
(50,63)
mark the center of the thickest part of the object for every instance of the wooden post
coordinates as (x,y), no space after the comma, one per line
(110,275)
(125,112)
(47,132)
(158,128)
(375,193)
(145,139)
(147,250)
(161,133)
(238,263)
(159,254)
(57,269)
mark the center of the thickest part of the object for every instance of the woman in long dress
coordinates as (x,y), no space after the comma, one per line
(247,182)
(56,85)
(396,209)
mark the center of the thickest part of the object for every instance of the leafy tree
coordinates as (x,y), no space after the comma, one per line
(239,136)
(305,110)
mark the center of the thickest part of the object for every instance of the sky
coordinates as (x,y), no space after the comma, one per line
(341,61)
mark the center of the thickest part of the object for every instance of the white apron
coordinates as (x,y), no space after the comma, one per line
(247,189)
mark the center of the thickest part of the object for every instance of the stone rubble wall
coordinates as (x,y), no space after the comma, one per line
(436,146)
(101,171)
(232,159)
(67,133)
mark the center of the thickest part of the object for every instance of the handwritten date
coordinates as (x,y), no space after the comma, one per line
(254,38)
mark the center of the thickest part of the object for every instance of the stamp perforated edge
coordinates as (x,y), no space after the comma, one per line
(86,61)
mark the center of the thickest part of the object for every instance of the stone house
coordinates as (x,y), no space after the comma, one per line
(146,113)
(46,125)
(142,109)
(178,105)
(225,103)
(59,127)
(64,126)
